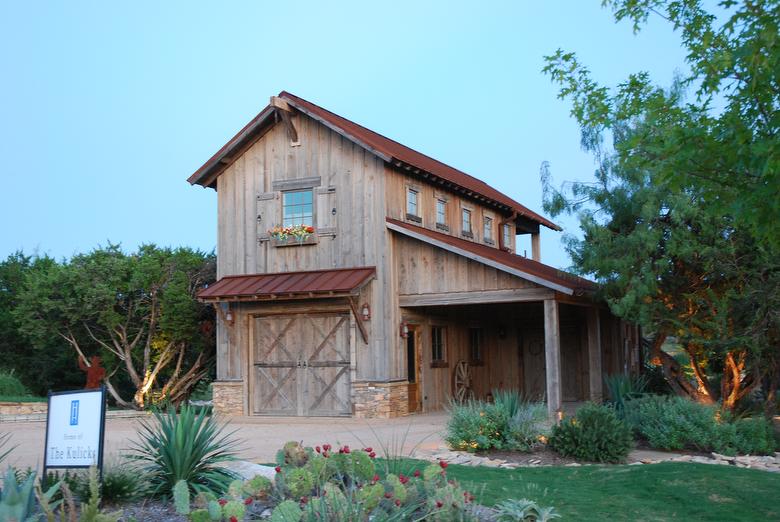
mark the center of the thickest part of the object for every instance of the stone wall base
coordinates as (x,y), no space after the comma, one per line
(382,400)
(22,408)
(228,397)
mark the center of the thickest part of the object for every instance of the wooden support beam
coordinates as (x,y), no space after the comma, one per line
(552,355)
(594,355)
(536,247)
(358,319)
(519,295)
(281,104)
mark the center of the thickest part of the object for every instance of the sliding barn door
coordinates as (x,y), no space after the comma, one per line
(302,365)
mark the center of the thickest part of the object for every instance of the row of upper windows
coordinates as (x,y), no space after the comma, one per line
(466,225)
(439,345)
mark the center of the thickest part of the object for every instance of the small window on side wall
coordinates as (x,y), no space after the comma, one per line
(475,347)
(441,212)
(413,205)
(438,346)
(487,233)
(506,230)
(465,226)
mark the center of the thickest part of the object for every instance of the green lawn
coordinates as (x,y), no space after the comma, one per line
(22,398)
(668,491)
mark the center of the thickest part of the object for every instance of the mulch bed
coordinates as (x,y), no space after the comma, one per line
(540,456)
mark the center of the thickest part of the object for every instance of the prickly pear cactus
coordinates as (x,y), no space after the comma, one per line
(397,488)
(257,487)
(300,482)
(294,454)
(371,495)
(181,497)
(215,510)
(287,511)
(234,508)
(200,515)
(235,488)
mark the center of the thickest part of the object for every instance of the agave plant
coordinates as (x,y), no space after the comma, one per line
(189,446)
(622,388)
(17,501)
(524,510)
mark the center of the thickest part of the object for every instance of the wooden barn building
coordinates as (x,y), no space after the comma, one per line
(401,288)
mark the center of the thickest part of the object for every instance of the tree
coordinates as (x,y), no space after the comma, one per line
(138,312)
(682,224)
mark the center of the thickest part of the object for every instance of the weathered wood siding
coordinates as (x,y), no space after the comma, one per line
(352,181)
(396,186)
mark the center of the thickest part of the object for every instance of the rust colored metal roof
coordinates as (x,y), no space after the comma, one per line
(316,283)
(389,150)
(520,266)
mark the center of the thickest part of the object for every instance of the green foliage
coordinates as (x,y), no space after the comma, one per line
(523,510)
(622,387)
(355,464)
(181,497)
(510,422)
(90,510)
(681,223)
(186,446)
(17,501)
(10,385)
(675,423)
(122,483)
(138,312)
(595,434)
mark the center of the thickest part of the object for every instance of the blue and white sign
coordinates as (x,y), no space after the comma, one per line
(74,429)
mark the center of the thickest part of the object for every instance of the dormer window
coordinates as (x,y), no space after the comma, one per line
(506,230)
(441,212)
(465,225)
(413,205)
(487,233)
(297,208)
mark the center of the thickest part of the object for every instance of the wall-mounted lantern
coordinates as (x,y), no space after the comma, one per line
(404,331)
(227,313)
(366,312)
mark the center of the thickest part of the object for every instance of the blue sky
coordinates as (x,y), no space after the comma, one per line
(107,107)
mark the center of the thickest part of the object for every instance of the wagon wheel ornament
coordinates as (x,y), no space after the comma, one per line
(461,382)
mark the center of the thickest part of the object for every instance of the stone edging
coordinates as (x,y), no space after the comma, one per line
(41,417)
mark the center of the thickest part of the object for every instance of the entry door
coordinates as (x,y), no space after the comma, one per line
(413,371)
(534,367)
(302,365)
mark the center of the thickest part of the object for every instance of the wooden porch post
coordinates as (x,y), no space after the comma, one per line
(536,247)
(552,355)
(594,355)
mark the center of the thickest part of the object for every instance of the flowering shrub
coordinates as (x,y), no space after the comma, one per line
(299,232)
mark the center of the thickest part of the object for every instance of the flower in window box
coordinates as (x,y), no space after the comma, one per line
(299,232)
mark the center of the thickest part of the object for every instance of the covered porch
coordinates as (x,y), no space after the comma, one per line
(556,349)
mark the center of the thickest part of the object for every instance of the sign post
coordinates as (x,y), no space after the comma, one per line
(75,429)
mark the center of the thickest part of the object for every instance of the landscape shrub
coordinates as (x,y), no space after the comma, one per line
(11,386)
(509,423)
(523,510)
(188,445)
(120,483)
(676,423)
(595,434)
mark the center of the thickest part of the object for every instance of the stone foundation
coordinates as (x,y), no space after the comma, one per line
(22,408)
(228,397)
(380,399)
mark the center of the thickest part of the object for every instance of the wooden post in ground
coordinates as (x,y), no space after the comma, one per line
(594,355)
(552,354)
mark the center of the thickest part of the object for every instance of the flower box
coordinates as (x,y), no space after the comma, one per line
(293,241)
(293,236)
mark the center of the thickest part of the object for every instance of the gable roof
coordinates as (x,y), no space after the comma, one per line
(519,266)
(390,151)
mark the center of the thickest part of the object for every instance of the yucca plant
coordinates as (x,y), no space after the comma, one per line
(622,388)
(190,446)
